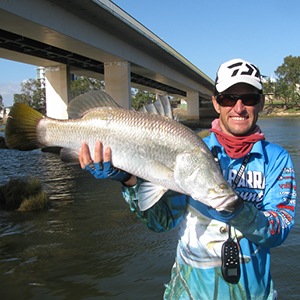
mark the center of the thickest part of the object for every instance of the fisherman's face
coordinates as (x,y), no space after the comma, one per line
(238,120)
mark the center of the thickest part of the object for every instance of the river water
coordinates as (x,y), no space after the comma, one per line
(91,246)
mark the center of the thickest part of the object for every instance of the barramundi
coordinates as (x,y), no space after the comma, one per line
(154,147)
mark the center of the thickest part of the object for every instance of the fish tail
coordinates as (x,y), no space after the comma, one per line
(21,128)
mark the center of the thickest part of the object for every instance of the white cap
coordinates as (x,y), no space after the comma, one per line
(237,71)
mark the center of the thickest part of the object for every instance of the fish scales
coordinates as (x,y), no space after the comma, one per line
(136,138)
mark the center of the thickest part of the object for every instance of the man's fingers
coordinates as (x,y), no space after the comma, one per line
(107,154)
(84,155)
(98,152)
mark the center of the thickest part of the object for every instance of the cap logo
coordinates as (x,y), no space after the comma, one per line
(251,69)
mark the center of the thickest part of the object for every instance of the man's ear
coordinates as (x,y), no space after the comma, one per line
(216,104)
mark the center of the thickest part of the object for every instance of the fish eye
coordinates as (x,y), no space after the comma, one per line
(223,186)
(223,230)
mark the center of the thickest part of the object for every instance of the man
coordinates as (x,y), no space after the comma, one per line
(263,215)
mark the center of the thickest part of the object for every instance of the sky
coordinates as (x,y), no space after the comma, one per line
(207,33)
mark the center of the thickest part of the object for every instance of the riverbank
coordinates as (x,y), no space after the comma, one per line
(271,111)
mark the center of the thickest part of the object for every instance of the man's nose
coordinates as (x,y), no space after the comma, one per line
(239,106)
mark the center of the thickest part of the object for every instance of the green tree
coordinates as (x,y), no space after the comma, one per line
(85,84)
(140,97)
(269,90)
(288,83)
(32,95)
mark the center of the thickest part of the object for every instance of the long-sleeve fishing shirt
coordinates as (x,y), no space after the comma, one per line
(268,190)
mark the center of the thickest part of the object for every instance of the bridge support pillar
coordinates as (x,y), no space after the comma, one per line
(193,106)
(57,91)
(117,82)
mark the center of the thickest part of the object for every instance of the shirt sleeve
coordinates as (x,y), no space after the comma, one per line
(270,225)
(162,216)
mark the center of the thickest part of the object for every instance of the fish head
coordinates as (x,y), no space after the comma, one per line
(197,174)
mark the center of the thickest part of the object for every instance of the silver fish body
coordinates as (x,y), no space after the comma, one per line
(143,144)
(153,147)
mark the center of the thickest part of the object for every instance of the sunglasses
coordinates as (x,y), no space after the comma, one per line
(231,99)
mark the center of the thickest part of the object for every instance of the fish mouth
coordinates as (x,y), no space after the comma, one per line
(227,203)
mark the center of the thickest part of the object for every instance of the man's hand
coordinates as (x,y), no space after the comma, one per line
(101,167)
(85,156)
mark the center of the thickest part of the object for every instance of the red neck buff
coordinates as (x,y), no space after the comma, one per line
(236,147)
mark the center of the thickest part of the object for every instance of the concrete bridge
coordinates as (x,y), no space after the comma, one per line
(96,38)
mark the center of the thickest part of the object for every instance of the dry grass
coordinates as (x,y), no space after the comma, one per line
(24,195)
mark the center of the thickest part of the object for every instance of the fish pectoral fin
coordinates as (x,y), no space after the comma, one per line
(69,155)
(158,170)
(149,193)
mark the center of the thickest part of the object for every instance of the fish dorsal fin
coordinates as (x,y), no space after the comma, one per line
(166,104)
(81,104)
(149,193)
(150,108)
(161,106)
